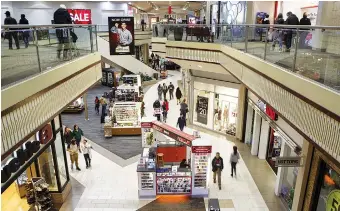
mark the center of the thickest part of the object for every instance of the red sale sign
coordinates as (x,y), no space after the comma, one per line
(80,16)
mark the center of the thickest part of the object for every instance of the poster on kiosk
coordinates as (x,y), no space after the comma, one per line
(121,36)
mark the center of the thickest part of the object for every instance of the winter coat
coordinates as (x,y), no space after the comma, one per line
(181,122)
(279,21)
(160,90)
(171,88)
(305,22)
(156,104)
(184,107)
(165,89)
(77,134)
(68,136)
(216,165)
(23,21)
(178,93)
(61,16)
(166,104)
(292,20)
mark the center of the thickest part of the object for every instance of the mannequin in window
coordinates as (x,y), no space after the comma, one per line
(217,120)
(225,116)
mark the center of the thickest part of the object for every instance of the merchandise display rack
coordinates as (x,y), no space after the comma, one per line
(39,195)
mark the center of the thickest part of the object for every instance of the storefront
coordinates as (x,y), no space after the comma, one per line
(215,107)
(271,138)
(40,158)
(323,187)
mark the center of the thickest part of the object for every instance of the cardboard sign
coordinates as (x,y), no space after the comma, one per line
(80,16)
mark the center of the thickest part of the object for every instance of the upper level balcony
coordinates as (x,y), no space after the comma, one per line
(36,49)
(310,51)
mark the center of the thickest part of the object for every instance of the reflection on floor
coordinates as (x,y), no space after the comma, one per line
(175,203)
(11,201)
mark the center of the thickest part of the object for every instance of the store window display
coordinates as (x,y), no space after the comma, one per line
(328,196)
(46,167)
(61,160)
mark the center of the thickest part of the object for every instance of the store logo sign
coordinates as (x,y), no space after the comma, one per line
(183,140)
(201,149)
(288,161)
(25,152)
(146,124)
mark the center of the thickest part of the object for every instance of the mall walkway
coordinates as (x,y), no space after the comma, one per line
(109,186)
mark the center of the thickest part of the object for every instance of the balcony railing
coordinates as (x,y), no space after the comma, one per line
(105,27)
(310,51)
(36,49)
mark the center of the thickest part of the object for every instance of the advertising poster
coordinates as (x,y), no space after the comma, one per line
(121,35)
(202,109)
(80,16)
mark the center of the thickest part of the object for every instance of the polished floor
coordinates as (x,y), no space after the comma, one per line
(110,186)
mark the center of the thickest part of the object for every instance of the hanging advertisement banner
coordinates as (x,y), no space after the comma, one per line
(333,201)
(202,109)
(121,36)
(80,16)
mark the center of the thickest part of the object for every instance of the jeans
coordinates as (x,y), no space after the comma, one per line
(15,37)
(289,37)
(171,94)
(87,159)
(233,168)
(25,36)
(181,128)
(103,110)
(277,37)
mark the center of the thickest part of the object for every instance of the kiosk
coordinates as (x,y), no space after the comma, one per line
(130,90)
(159,172)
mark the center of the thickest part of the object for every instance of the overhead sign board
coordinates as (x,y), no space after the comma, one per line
(288,161)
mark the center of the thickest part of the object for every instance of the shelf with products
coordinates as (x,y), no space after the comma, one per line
(147,181)
(201,168)
(173,185)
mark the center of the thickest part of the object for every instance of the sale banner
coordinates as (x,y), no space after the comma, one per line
(80,16)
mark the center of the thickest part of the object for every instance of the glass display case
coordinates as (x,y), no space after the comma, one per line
(126,115)
(171,185)
(201,167)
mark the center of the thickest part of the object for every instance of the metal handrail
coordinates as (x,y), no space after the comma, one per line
(44,26)
(258,25)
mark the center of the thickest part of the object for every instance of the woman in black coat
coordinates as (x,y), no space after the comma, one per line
(181,122)
(178,95)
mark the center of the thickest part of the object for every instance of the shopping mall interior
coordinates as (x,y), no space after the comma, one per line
(170,105)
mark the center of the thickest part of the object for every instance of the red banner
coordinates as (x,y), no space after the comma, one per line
(271,113)
(201,149)
(169,10)
(146,124)
(80,16)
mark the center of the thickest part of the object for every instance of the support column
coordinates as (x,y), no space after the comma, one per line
(285,151)
(85,105)
(240,112)
(263,140)
(302,177)
(250,113)
(256,134)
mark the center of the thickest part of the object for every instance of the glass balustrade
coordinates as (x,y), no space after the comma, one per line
(35,49)
(310,51)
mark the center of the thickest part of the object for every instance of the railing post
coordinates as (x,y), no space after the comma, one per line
(96,32)
(91,38)
(37,47)
(231,35)
(69,50)
(246,39)
(265,45)
(296,49)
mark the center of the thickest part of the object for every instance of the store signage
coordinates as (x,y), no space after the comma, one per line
(271,113)
(121,35)
(288,161)
(80,16)
(25,152)
(172,135)
(202,109)
(333,201)
(201,149)
(146,124)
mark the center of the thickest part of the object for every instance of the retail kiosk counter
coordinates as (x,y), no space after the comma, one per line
(166,177)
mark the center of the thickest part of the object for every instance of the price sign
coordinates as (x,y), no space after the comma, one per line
(202,109)
(333,201)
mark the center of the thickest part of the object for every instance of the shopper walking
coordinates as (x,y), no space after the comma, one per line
(304,32)
(178,95)
(217,168)
(62,16)
(184,108)
(171,89)
(234,157)
(77,134)
(160,92)
(165,109)
(96,105)
(165,90)
(68,136)
(181,122)
(103,102)
(86,148)
(74,154)
(277,33)
(157,110)
(291,20)
(25,31)
(12,33)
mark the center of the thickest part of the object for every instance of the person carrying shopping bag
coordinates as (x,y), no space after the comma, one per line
(178,95)
(234,157)
(217,167)
(86,148)
(73,150)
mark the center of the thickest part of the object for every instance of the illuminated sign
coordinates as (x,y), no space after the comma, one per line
(80,16)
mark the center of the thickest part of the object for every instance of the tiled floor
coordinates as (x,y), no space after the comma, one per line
(109,186)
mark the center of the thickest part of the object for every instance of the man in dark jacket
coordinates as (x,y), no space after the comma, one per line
(304,32)
(291,20)
(217,167)
(181,122)
(61,16)
(171,90)
(11,21)
(25,32)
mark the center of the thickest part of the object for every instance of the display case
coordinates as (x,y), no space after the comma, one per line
(174,183)
(200,171)
(146,170)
